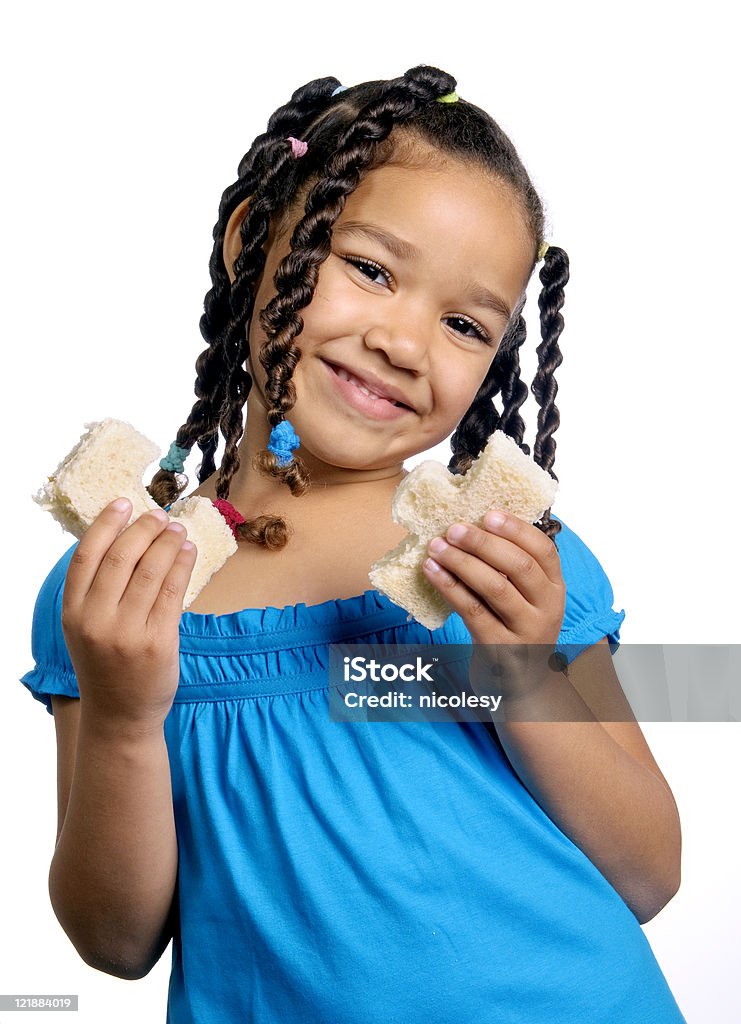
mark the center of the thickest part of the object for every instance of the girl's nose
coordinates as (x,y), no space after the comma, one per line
(405,340)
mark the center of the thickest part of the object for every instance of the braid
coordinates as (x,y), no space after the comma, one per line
(276,159)
(514,390)
(482,419)
(553,276)
(213,364)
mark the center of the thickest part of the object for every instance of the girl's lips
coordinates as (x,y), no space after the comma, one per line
(378,408)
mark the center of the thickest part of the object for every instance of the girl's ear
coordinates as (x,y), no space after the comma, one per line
(232,238)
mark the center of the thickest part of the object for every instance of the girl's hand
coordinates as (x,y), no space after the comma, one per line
(504,581)
(121,607)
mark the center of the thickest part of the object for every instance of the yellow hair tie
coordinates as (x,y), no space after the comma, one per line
(449,97)
(543,249)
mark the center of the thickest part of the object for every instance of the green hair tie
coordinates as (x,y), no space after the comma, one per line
(449,97)
(173,461)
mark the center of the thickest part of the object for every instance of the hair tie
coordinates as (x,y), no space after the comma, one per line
(543,249)
(173,461)
(230,513)
(282,442)
(449,97)
(298,148)
(340,88)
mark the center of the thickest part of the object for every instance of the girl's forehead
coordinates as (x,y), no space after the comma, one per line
(438,203)
(453,183)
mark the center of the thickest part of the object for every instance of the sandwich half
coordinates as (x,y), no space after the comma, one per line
(430,499)
(109,461)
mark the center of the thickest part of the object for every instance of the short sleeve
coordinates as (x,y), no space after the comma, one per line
(53,672)
(589,614)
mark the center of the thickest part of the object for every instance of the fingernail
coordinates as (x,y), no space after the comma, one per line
(457,532)
(494,519)
(121,505)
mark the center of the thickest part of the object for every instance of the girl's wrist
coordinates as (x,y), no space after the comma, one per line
(112,728)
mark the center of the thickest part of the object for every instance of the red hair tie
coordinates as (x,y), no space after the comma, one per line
(229,512)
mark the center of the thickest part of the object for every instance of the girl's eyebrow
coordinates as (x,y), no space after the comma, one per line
(396,246)
(404,250)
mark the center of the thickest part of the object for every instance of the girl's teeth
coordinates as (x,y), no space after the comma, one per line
(354,380)
(361,387)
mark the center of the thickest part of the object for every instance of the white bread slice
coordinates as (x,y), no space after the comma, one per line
(430,499)
(109,461)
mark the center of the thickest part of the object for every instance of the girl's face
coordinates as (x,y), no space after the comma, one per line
(417,311)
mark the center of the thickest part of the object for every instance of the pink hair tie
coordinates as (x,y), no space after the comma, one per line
(297,146)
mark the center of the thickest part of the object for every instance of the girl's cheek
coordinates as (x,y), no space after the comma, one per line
(455,391)
(326,290)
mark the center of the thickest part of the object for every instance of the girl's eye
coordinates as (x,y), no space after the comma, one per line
(376,268)
(479,331)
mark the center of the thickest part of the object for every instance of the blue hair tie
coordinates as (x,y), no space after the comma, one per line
(175,458)
(340,88)
(282,442)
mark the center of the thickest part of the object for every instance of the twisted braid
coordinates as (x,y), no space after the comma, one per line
(553,276)
(514,390)
(276,158)
(481,418)
(217,324)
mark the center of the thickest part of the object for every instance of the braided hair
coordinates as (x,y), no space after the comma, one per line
(349,133)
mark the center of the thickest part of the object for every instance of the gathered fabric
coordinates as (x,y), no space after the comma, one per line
(370,871)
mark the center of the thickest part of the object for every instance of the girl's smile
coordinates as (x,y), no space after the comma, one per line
(356,394)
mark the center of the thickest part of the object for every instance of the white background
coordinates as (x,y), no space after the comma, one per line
(122,126)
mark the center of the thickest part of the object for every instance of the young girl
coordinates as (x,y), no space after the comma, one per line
(308,869)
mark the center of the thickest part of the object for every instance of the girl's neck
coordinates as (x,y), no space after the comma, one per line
(254,493)
(333,490)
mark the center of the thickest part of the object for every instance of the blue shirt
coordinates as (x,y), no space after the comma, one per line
(358,873)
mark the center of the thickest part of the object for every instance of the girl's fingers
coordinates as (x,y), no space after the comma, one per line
(90,551)
(168,605)
(151,574)
(121,561)
(526,540)
(515,549)
(473,588)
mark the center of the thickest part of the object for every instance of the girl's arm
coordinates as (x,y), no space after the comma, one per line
(113,876)
(597,779)
(113,873)
(594,777)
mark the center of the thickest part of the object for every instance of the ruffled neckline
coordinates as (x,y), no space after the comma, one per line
(300,615)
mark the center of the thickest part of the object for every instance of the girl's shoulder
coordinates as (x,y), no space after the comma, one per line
(589,613)
(53,672)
